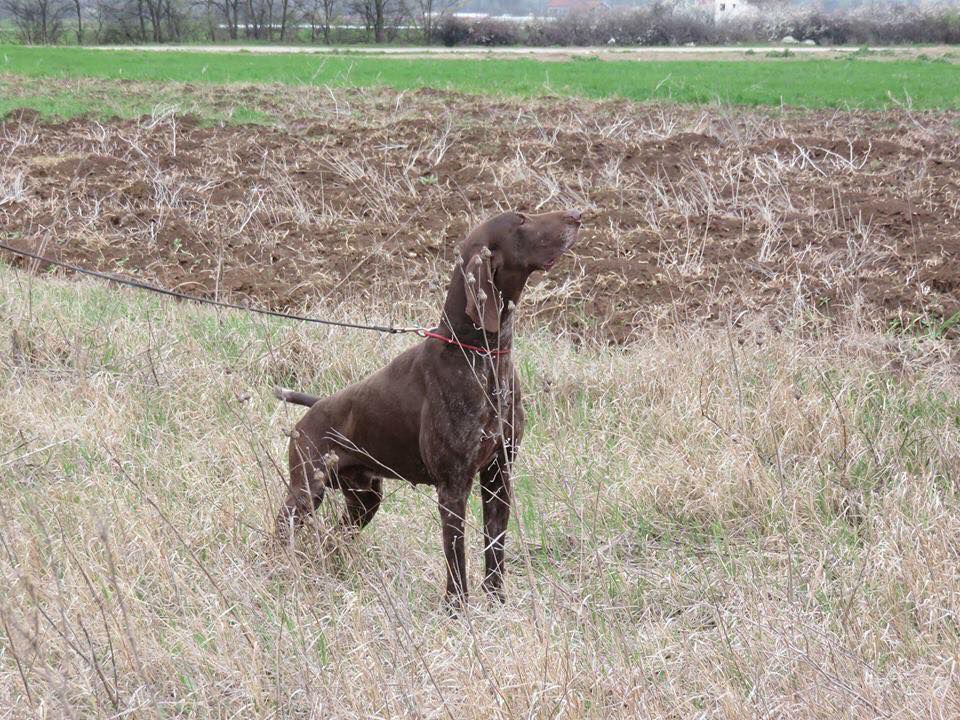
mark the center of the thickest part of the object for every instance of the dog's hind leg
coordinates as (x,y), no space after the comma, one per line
(306,488)
(362,492)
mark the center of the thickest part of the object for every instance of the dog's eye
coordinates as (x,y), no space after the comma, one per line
(523,218)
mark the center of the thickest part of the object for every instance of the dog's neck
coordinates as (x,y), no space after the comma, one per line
(455,323)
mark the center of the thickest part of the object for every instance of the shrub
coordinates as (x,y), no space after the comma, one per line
(494,32)
(662,23)
(453,31)
(456,31)
(658,24)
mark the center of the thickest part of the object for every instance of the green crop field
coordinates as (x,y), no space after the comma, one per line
(846,83)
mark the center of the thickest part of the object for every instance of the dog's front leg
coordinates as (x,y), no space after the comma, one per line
(495,499)
(453,508)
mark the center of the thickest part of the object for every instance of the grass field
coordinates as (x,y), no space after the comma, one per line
(706,525)
(737,494)
(848,83)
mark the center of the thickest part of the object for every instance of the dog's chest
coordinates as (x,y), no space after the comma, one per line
(475,417)
(493,418)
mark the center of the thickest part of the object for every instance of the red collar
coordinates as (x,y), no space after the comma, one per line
(494,352)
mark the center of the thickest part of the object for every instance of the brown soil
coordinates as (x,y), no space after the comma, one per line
(692,214)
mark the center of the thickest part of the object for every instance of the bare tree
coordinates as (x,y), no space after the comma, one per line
(208,10)
(78,8)
(259,14)
(329,14)
(37,21)
(319,14)
(284,17)
(230,11)
(431,12)
(380,16)
(140,21)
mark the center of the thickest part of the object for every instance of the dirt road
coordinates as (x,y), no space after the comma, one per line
(555,53)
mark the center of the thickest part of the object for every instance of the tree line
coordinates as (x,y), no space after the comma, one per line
(659,22)
(173,21)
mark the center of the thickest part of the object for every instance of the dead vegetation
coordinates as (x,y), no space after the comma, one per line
(693,213)
(709,523)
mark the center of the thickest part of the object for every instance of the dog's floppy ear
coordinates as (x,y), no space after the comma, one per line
(484,302)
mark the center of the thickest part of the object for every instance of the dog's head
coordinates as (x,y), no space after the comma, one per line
(499,255)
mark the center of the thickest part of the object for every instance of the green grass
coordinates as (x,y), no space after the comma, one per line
(72,103)
(108,100)
(800,83)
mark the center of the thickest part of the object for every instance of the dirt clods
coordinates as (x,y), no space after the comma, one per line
(691,214)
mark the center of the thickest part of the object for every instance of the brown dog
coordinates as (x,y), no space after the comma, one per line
(442,411)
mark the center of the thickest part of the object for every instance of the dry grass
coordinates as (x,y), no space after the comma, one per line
(710,524)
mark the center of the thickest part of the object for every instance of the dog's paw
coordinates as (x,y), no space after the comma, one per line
(495,592)
(454,605)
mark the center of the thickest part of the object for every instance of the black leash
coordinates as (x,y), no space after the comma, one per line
(204,301)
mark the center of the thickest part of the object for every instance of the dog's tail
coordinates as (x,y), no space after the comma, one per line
(292,396)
